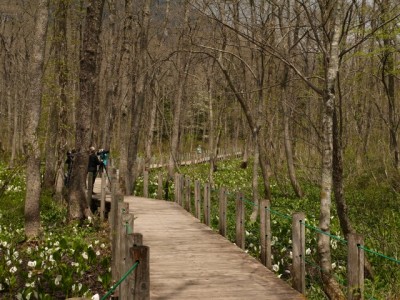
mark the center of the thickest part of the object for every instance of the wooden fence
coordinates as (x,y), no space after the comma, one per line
(127,251)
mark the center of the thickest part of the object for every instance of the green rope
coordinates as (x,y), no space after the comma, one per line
(379,254)
(323,232)
(279,213)
(121,280)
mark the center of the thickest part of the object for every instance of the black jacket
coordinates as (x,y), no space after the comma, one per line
(94,161)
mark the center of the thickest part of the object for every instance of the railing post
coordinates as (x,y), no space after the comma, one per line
(160,187)
(355,267)
(181,189)
(265,233)
(113,184)
(207,203)
(197,199)
(188,205)
(222,211)
(298,250)
(123,209)
(127,284)
(103,195)
(146,184)
(142,272)
(240,236)
(176,187)
(115,237)
(89,190)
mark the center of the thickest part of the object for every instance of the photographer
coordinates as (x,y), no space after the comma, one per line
(104,156)
(94,162)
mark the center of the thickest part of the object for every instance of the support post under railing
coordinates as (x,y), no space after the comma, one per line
(265,233)
(142,272)
(298,250)
(355,267)
(222,211)
(188,204)
(197,199)
(207,202)
(240,236)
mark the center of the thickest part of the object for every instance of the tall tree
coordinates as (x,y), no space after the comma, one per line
(32,117)
(88,79)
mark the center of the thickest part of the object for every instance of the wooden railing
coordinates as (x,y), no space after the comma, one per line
(202,204)
(127,250)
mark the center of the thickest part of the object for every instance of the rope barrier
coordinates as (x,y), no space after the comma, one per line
(324,233)
(120,281)
(379,254)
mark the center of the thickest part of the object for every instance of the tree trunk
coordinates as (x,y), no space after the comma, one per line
(138,99)
(125,94)
(77,206)
(32,117)
(183,66)
(57,136)
(331,286)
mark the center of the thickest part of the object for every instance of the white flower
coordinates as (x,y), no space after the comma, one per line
(29,274)
(97,252)
(15,254)
(291,254)
(8,263)
(73,287)
(79,286)
(51,259)
(13,269)
(56,243)
(84,255)
(32,284)
(308,251)
(247,233)
(96,242)
(275,268)
(334,244)
(102,246)
(32,264)
(96,297)
(333,265)
(57,280)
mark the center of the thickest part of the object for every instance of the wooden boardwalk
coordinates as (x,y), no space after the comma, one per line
(188,260)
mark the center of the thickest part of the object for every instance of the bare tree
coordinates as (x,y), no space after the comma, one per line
(77,206)
(32,117)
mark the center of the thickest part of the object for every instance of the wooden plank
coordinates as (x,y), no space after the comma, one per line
(191,261)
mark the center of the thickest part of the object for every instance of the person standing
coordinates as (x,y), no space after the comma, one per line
(94,162)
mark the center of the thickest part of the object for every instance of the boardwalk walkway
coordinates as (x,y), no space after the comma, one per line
(190,261)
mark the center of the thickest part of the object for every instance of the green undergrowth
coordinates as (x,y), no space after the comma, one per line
(372,210)
(66,260)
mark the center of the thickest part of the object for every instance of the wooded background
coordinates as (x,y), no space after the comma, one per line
(308,88)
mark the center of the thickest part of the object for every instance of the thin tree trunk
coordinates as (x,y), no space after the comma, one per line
(183,65)
(138,99)
(125,93)
(331,286)
(33,108)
